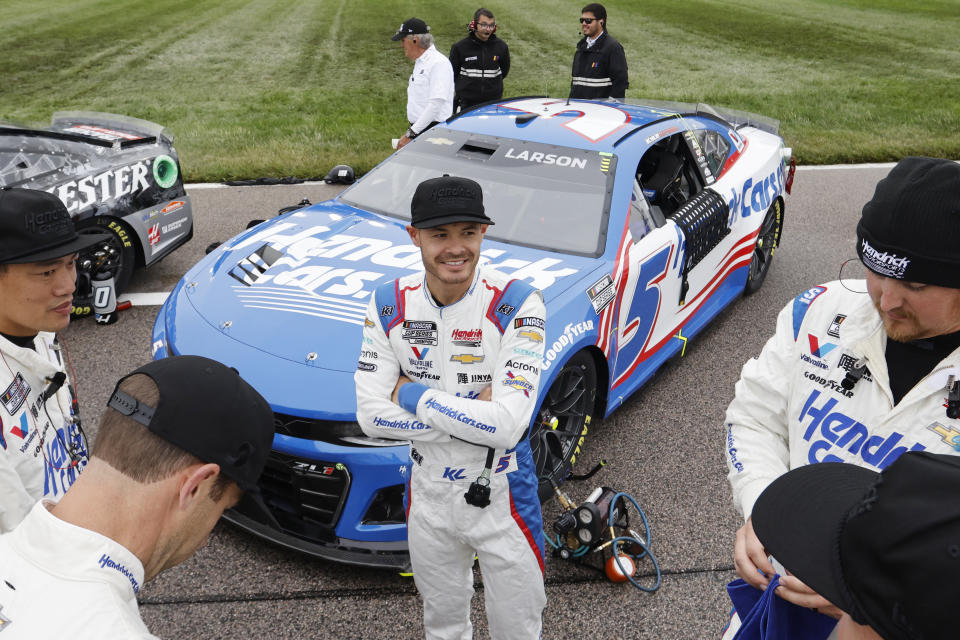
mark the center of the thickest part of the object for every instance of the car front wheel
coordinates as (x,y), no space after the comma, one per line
(563,420)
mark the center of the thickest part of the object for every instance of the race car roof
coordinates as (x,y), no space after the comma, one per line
(590,124)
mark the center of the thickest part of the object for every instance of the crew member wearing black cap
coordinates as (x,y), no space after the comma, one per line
(884,547)
(858,372)
(430,89)
(450,361)
(42,448)
(182,439)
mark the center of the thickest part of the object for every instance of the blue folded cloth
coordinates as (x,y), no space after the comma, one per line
(764,616)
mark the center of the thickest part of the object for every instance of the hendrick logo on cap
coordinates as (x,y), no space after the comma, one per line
(884,263)
(454,191)
(51,221)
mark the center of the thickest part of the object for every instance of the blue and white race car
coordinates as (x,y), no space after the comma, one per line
(639,223)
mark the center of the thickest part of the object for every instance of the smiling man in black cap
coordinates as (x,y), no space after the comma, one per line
(858,371)
(883,547)
(182,439)
(451,362)
(41,444)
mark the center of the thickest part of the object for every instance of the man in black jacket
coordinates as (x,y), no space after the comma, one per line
(480,63)
(599,65)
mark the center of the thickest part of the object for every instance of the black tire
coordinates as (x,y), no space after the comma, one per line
(116,254)
(570,401)
(767,241)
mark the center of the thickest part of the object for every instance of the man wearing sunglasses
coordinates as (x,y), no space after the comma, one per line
(41,445)
(480,62)
(599,64)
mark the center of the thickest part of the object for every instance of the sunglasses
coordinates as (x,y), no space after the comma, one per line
(587,20)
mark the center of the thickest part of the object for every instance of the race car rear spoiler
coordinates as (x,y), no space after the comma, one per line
(98,129)
(734,117)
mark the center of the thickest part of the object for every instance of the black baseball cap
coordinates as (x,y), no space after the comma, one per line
(410,27)
(883,547)
(446,200)
(910,229)
(209,411)
(35,226)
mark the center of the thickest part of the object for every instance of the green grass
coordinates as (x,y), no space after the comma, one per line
(257,88)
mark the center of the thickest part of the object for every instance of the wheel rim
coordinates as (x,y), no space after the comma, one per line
(103,256)
(766,241)
(569,402)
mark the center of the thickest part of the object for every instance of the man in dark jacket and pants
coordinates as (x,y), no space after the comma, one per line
(599,65)
(480,63)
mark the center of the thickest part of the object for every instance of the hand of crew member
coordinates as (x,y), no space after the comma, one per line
(750,558)
(792,589)
(403,141)
(402,380)
(486,394)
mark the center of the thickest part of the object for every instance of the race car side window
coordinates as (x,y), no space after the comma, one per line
(668,175)
(643,220)
(715,147)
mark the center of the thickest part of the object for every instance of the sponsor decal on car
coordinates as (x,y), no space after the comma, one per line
(570,332)
(173,226)
(104,187)
(101,133)
(173,206)
(153,234)
(601,293)
(546,158)
(754,197)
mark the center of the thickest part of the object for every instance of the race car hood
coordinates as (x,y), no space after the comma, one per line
(297,286)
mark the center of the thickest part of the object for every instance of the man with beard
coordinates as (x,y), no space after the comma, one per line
(481,62)
(450,361)
(858,378)
(599,63)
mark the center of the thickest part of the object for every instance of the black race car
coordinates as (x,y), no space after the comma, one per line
(114,173)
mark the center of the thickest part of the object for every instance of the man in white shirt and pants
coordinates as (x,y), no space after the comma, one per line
(430,90)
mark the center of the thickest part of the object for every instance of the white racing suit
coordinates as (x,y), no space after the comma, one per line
(61,580)
(791,410)
(493,336)
(34,462)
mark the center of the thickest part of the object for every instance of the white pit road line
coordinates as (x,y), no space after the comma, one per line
(157,299)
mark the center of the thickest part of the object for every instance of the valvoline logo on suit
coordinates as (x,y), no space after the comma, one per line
(817,349)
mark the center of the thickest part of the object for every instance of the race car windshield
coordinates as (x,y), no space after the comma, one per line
(539,195)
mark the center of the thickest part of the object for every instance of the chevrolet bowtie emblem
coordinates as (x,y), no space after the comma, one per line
(532,335)
(466,358)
